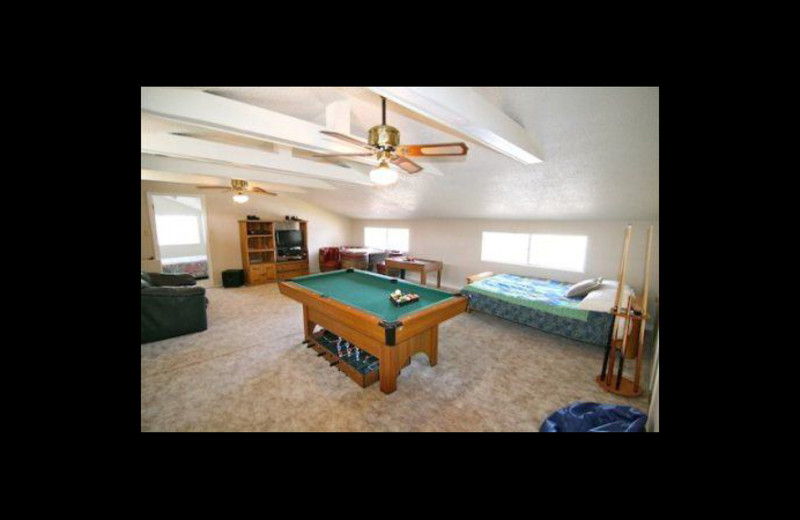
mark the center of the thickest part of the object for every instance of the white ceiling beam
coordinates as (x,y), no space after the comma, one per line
(464,110)
(207,180)
(283,150)
(214,112)
(218,113)
(337,116)
(190,168)
(199,149)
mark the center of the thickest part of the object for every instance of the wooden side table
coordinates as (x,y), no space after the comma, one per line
(420,265)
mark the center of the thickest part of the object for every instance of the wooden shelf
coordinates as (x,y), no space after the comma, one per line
(260,254)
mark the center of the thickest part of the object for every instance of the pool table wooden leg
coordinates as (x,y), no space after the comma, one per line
(389,369)
(394,358)
(433,348)
(308,326)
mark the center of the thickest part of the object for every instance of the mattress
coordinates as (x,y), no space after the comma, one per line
(541,304)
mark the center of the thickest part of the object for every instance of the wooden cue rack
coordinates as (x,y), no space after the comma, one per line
(634,314)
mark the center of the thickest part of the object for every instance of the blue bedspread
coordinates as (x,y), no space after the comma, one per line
(547,296)
(544,307)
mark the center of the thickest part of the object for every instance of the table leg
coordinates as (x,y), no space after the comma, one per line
(422,279)
(390,367)
(402,274)
(433,350)
(308,326)
(438,278)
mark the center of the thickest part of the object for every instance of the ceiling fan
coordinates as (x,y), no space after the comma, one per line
(240,186)
(384,143)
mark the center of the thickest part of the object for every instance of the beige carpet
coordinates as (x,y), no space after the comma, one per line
(249,372)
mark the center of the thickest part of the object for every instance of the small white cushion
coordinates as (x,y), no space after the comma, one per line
(585,287)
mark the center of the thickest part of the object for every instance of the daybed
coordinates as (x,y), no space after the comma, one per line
(197,266)
(543,304)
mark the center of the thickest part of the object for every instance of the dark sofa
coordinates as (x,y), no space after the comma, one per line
(172,305)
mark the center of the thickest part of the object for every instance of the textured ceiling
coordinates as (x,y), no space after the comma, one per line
(599,147)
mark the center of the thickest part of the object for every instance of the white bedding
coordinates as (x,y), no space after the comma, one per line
(183,259)
(602,300)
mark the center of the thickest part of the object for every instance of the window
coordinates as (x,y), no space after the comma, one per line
(177,230)
(507,248)
(386,238)
(561,252)
(564,252)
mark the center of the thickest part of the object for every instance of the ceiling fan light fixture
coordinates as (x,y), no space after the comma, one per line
(383,175)
(241,198)
(384,142)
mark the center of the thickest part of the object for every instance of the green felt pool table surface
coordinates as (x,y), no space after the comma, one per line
(370,292)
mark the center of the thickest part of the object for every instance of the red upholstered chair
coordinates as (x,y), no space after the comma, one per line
(329,259)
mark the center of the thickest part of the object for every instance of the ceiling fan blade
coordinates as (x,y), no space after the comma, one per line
(347,138)
(362,154)
(256,189)
(406,164)
(432,150)
(213,188)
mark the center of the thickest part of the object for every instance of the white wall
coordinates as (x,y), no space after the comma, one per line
(457,242)
(324,228)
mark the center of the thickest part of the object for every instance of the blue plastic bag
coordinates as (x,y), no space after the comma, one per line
(595,417)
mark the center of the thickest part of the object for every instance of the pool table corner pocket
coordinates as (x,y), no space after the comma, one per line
(390,328)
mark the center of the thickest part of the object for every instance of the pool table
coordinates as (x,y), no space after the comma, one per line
(355,305)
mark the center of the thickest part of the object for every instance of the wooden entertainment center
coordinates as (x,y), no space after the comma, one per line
(260,255)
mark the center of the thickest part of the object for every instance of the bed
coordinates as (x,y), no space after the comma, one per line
(196,266)
(543,304)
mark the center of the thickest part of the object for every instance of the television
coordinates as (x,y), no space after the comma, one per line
(289,238)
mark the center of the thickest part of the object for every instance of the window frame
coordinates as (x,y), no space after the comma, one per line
(151,217)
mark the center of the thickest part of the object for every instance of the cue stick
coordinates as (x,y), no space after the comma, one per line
(623,267)
(608,350)
(625,334)
(620,292)
(614,309)
(640,354)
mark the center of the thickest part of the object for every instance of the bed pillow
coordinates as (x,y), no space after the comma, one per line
(585,287)
(602,299)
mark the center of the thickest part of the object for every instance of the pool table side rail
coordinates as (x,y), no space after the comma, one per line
(430,317)
(400,281)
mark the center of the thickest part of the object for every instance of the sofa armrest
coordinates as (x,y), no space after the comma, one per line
(171,280)
(166,292)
